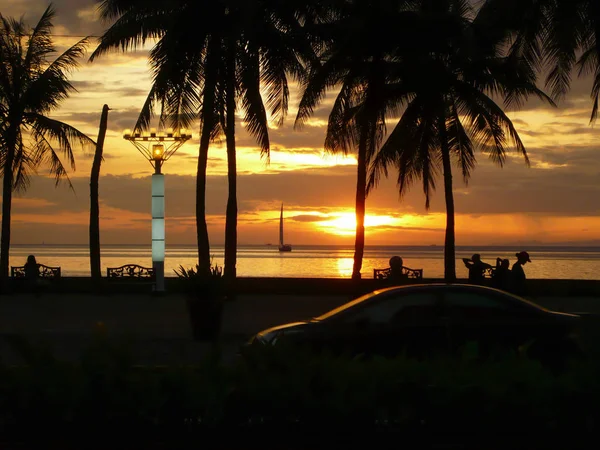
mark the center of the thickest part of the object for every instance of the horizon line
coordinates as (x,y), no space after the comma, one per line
(441,246)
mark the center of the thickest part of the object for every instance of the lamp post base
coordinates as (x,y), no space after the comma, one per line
(159,273)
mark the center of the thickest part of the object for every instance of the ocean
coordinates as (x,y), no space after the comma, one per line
(308,261)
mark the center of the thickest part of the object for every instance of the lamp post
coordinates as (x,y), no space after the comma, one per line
(158,148)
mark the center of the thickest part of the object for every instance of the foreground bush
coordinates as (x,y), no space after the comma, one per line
(272,392)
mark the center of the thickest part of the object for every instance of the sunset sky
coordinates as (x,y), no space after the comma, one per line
(555,201)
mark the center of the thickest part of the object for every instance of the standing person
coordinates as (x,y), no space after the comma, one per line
(501,278)
(476,268)
(518,280)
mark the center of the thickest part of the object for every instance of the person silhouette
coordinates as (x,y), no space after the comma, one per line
(32,268)
(32,274)
(517,274)
(396,272)
(502,274)
(476,268)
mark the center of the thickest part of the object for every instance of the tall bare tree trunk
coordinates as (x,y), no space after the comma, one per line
(95,267)
(7,190)
(360,206)
(449,244)
(231,213)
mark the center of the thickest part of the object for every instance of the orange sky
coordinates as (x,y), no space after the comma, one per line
(556,200)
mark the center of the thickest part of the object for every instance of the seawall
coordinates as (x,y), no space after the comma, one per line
(298,286)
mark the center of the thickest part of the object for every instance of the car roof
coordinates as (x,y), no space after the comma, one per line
(430,286)
(438,285)
(471,287)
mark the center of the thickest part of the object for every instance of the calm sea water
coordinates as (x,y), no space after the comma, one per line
(319,261)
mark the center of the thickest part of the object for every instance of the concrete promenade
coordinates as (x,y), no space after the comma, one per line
(157,327)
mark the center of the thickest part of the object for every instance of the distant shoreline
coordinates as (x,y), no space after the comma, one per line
(503,247)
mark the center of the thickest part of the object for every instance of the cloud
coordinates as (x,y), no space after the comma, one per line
(72,16)
(561,182)
(309,218)
(123,91)
(392,228)
(118,119)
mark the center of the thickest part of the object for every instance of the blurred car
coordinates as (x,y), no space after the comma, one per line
(428,319)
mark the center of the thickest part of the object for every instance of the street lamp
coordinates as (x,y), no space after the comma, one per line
(158,147)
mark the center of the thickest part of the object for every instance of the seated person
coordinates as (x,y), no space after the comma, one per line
(32,273)
(476,268)
(32,268)
(396,269)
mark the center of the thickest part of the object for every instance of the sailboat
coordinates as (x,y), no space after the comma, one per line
(282,247)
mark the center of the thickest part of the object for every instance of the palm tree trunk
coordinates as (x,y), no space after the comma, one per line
(6,207)
(231,214)
(95,267)
(360,207)
(208,120)
(201,226)
(7,190)
(449,244)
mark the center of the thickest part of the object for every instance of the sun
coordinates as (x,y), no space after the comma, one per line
(344,224)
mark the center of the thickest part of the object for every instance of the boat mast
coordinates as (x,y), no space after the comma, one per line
(281,226)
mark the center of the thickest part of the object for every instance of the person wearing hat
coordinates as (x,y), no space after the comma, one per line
(518,283)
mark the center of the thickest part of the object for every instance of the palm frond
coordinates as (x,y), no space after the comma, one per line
(43,150)
(25,163)
(460,144)
(52,86)
(39,45)
(342,132)
(251,101)
(319,79)
(489,125)
(411,148)
(54,130)
(137,22)
(561,44)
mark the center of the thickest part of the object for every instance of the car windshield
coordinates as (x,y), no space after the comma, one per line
(524,301)
(346,306)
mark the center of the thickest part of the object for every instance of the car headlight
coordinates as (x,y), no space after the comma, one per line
(272,337)
(269,338)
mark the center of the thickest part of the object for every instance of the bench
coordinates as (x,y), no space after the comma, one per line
(131,272)
(383,274)
(45,272)
(130,277)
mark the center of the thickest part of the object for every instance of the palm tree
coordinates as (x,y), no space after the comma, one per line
(365,72)
(31,86)
(178,76)
(555,36)
(451,111)
(206,66)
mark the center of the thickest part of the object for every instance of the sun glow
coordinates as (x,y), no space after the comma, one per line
(344,266)
(344,224)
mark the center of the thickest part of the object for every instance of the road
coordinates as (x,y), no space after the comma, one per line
(156,329)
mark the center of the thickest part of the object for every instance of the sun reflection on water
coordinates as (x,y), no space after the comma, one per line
(344,266)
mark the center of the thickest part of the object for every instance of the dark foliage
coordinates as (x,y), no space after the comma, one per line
(269,393)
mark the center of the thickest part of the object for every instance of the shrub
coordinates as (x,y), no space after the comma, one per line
(275,390)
